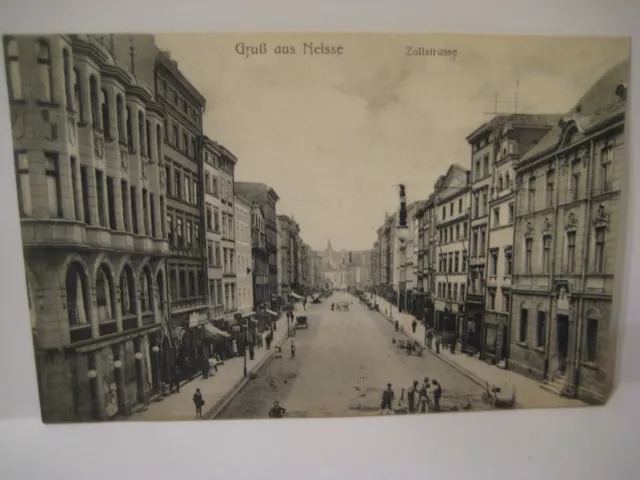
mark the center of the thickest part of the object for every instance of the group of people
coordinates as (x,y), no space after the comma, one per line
(420,398)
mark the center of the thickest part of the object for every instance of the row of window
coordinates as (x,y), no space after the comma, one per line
(451,234)
(183,230)
(452,262)
(452,292)
(91,184)
(187,143)
(182,184)
(223,293)
(597,265)
(590,339)
(187,283)
(576,187)
(171,95)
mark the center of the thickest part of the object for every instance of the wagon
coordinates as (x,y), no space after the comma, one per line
(301,322)
(495,397)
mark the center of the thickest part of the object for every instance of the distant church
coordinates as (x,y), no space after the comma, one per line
(334,267)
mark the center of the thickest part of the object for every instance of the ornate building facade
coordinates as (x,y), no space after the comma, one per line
(90,172)
(567,221)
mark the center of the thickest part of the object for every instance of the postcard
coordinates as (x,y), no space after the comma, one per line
(253,226)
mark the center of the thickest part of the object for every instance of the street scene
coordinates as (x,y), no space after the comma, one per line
(246,226)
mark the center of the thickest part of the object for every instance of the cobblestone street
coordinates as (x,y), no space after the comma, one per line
(343,362)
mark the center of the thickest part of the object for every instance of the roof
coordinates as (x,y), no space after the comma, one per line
(254,190)
(516,120)
(597,107)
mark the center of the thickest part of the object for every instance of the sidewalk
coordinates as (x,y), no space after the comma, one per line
(529,394)
(217,390)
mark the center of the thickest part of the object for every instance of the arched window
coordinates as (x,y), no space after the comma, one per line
(67,78)
(120,113)
(105,298)
(192,285)
(12,64)
(146,291)
(77,94)
(127,292)
(507,180)
(500,184)
(160,284)
(129,130)
(77,296)
(148,137)
(104,107)
(95,107)
(159,142)
(44,71)
(141,140)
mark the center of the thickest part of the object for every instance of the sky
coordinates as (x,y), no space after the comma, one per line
(334,135)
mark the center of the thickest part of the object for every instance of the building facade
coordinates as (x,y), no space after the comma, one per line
(566,245)
(213,229)
(286,257)
(502,140)
(427,245)
(451,226)
(260,258)
(225,163)
(92,199)
(183,173)
(267,198)
(244,262)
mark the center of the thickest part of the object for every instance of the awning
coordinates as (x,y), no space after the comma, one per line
(248,314)
(214,333)
(295,295)
(271,312)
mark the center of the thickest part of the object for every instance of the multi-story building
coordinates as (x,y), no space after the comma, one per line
(279,262)
(286,257)
(183,173)
(260,258)
(409,284)
(427,245)
(305,268)
(451,225)
(565,251)
(244,263)
(92,199)
(502,141)
(267,198)
(225,163)
(213,228)
(482,160)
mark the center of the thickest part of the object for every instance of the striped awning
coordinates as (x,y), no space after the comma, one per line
(214,333)
(271,312)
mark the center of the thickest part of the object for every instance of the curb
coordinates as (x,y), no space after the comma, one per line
(471,376)
(221,404)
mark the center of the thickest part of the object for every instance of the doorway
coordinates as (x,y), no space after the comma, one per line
(562,342)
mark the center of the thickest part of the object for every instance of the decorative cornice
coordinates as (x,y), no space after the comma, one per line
(601,217)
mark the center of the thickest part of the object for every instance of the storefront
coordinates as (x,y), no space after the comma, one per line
(495,337)
(473,325)
(189,343)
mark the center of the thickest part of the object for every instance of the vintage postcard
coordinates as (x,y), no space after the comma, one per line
(244,226)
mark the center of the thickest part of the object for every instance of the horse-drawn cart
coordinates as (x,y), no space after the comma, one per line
(411,347)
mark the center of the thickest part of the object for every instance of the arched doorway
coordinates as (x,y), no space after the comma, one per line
(78,303)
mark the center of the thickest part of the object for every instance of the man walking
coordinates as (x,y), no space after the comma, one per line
(429,339)
(277,411)
(175,379)
(386,408)
(414,324)
(268,340)
(411,396)
(293,350)
(199,402)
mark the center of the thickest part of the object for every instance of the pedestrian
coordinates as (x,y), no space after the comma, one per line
(438,344)
(452,346)
(396,325)
(204,365)
(429,338)
(423,399)
(199,402)
(175,379)
(386,408)
(437,394)
(411,396)
(293,350)
(414,324)
(251,351)
(267,341)
(277,411)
